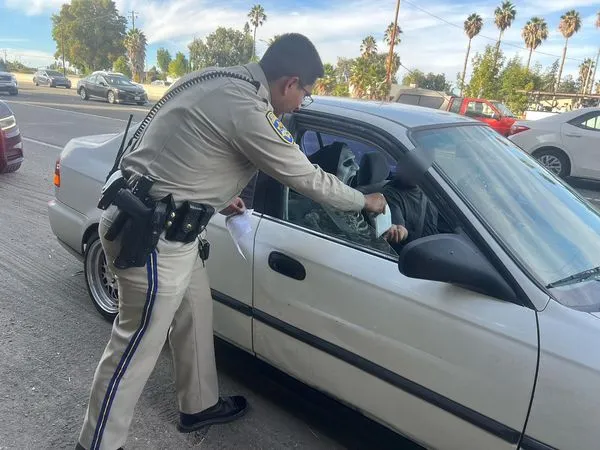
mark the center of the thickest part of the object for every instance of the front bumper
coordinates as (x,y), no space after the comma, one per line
(64,83)
(8,86)
(13,150)
(130,97)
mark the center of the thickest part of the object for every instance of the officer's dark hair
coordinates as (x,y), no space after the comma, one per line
(292,54)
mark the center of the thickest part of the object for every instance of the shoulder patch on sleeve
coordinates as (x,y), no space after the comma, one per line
(279,128)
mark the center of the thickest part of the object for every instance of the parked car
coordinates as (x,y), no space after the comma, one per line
(51,78)
(496,114)
(11,143)
(567,144)
(482,337)
(8,83)
(114,87)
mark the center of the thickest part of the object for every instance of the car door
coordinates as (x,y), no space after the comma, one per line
(581,137)
(445,366)
(231,278)
(90,85)
(482,111)
(102,86)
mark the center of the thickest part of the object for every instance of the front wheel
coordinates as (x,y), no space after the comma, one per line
(11,168)
(15,92)
(111,97)
(101,283)
(83,94)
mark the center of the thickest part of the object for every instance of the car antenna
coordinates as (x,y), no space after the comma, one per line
(121,149)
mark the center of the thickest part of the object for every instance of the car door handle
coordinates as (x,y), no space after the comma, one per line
(287,266)
(572,135)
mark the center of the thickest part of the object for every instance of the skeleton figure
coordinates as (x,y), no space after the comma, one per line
(339,159)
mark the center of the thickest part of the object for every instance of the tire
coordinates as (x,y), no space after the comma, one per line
(101,284)
(11,168)
(110,97)
(83,94)
(555,160)
(15,92)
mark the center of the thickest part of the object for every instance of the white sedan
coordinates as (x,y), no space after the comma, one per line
(481,331)
(568,143)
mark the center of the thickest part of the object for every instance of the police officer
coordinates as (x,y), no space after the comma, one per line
(200,150)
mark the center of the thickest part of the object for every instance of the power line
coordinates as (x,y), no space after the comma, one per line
(487,37)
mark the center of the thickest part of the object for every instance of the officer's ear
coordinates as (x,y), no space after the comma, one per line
(289,83)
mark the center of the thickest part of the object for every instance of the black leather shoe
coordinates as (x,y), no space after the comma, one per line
(226,410)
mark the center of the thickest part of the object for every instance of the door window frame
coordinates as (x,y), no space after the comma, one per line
(579,121)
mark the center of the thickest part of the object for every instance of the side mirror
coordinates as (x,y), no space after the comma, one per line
(496,116)
(451,258)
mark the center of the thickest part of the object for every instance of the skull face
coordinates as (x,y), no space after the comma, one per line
(347,166)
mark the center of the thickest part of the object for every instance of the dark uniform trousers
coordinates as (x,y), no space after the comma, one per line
(168,298)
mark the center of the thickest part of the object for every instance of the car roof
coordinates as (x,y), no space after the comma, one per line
(408,116)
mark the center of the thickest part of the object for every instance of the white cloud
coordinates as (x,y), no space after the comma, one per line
(338,28)
(32,58)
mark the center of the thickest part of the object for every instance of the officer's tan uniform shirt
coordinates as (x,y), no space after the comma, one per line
(205,144)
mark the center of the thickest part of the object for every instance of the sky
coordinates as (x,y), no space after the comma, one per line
(336,27)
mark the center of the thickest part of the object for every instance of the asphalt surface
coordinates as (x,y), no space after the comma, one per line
(52,337)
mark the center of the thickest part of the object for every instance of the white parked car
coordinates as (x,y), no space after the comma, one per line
(568,143)
(484,336)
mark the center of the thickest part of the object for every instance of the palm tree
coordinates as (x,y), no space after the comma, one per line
(504,16)
(387,36)
(473,26)
(570,23)
(534,33)
(257,17)
(135,43)
(368,46)
(585,71)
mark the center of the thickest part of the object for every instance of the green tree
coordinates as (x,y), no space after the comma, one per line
(224,47)
(472,27)
(163,59)
(179,66)
(585,72)
(503,18)
(93,33)
(485,80)
(534,33)
(549,77)
(368,76)
(387,36)
(257,17)
(152,74)
(570,23)
(326,84)
(122,65)
(368,47)
(436,82)
(516,77)
(343,69)
(135,43)
(274,38)
(569,85)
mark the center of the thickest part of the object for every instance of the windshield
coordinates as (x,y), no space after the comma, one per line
(542,221)
(53,73)
(116,80)
(503,109)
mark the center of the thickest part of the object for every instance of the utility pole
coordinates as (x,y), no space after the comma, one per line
(133,16)
(388,76)
(594,75)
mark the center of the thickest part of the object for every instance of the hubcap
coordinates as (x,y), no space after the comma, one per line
(111,97)
(552,163)
(82,93)
(103,283)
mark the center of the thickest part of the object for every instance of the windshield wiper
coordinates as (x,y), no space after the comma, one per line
(581,276)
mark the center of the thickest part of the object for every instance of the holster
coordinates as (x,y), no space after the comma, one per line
(188,221)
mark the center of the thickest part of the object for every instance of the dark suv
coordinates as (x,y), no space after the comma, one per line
(114,87)
(51,78)
(11,144)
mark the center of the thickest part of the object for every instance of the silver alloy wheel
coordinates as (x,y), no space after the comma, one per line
(83,94)
(101,282)
(111,97)
(552,163)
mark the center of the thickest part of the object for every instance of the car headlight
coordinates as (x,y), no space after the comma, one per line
(7,123)
(14,79)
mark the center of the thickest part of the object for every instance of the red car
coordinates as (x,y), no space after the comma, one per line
(492,112)
(11,144)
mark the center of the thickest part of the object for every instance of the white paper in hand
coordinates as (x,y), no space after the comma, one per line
(240,229)
(383,222)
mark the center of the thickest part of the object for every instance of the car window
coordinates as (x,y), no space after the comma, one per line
(479,109)
(93,79)
(542,222)
(588,121)
(455,107)
(248,193)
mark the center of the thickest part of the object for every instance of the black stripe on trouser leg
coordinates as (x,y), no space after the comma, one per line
(111,391)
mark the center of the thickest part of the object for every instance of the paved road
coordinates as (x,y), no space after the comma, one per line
(52,337)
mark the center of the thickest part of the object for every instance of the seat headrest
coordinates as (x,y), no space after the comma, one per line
(328,157)
(373,169)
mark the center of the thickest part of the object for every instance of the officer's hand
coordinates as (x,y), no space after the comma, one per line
(396,234)
(375,203)
(236,207)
